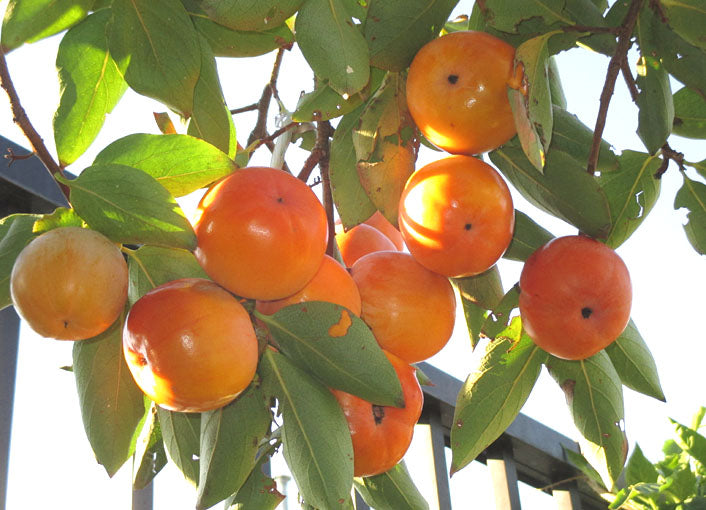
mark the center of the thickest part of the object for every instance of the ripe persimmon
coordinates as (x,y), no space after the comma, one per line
(382,434)
(190,345)
(575,296)
(361,240)
(331,283)
(381,223)
(457,92)
(457,216)
(69,283)
(410,310)
(261,233)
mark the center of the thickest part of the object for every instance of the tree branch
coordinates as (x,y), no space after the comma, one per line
(323,131)
(614,66)
(263,105)
(20,118)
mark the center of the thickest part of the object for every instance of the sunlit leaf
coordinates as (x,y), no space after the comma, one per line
(500,316)
(639,469)
(258,492)
(479,294)
(32,20)
(249,15)
(527,236)
(150,455)
(494,393)
(691,442)
(507,16)
(329,341)
(112,405)
(91,85)
(180,163)
(129,206)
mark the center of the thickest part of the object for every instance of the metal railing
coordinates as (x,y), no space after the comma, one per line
(527,451)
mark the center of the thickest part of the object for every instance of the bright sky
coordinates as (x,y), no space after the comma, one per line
(50,455)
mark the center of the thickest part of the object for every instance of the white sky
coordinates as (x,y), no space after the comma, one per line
(51,461)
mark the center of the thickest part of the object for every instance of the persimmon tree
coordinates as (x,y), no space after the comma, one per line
(363,145)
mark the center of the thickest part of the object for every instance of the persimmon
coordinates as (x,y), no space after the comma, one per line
(457,216)
(410,310)
(575,296)
(381,435)
(190,345)
(331,283)
(361,240)
(378,221)
(261,233)
(69,283)
(457,92)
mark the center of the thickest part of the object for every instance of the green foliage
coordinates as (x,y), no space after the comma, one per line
(359,52)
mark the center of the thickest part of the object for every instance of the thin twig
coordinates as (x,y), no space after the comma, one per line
(244,109)
(669,154)
(20,118)
(271,138)
(624,43)
(321,149)
(12,157)
(263,105)
(323,131)
(593,30)
(629,79)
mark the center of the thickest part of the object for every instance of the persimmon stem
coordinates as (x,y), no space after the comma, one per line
(323,131)
(616,61)
(669,154)
(263,105)
(19,116)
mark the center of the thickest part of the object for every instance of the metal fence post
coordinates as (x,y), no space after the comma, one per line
(503,474)
(9,339)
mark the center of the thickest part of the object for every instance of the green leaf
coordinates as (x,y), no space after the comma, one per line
(91,86)
(654,101)
(129,206)
(499,317)
(211,119)
(160,46)
(634,363)
(61,217)
(594,394)
(479,294)
(32,20)
(526,238)
(333,46)
(329,341)
(639,469)
(150,456)
(565,190)
(151,266)
(698,418)
(632,192)
(15,233)
(324,103)
(226,42)
(579,461)
(230,437)
(532,106)
(556,90)
(352,202)
(391,490)
(585,12)
(494,393)
(691,442)
(112,405)
(396,29)
(181,433)
(180,163)
(687,18)
(689,114)
(250,15)
(258,492)
(384,146)
(323,470)
(574,138)
(692,196)
(507,16)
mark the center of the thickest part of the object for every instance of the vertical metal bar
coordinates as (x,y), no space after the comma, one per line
(9,340)
(503,474)
(142,499)
(438,446)
(567,498)
(359,503)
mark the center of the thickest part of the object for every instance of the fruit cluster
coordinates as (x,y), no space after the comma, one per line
(262,235)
